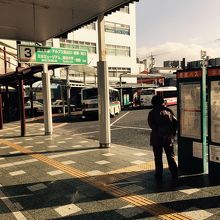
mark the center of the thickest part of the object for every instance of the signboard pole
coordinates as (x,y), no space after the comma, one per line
(204,112)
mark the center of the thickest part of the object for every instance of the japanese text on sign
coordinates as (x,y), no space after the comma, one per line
(50,55)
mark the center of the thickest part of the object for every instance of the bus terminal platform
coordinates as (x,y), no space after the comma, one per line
(67,176)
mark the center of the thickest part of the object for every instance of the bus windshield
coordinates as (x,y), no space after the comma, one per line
(90,93)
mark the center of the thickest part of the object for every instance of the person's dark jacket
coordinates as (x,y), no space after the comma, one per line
(155,122)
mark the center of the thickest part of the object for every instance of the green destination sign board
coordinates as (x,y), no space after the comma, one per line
(51,55)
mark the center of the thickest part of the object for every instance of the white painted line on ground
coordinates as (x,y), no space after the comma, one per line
(119,118)
(147,129)
(93,132)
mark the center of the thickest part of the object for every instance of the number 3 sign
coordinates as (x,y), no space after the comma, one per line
(26,53)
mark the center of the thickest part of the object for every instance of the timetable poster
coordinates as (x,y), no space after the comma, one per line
(190,110)
(215,111)
(214,153)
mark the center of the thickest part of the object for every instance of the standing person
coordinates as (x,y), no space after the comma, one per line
(163,124)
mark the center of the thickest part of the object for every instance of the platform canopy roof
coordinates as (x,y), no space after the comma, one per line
(40,20)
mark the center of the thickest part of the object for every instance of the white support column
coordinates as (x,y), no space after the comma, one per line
(103,88)
(48,126)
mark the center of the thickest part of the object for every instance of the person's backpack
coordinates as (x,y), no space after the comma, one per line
(168,124)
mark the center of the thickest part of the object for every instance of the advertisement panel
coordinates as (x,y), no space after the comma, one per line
(215,111)
(190,110)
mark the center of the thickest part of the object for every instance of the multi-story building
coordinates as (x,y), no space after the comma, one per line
(120,39)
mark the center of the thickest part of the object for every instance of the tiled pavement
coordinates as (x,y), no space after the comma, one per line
(65,176)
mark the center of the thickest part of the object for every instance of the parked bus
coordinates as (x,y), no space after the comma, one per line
(89,99)
(169,94)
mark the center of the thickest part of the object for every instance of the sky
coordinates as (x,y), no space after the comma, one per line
(173,29)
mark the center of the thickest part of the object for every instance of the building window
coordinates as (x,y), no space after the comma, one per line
(125,9)
(91,26)
(90,47)
(115,50)
(49,43)
(117,28)
(117,71)
(73,73)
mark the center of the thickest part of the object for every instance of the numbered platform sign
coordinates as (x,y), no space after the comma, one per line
(51,55)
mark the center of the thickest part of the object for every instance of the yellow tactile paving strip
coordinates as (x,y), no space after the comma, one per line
(147,205)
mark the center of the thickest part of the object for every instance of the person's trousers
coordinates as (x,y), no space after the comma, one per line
(158,153)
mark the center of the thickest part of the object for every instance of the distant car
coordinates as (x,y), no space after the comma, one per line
(57,106)
(37,107)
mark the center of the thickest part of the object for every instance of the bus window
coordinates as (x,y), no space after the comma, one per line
(148,92)
(114,96)
(170,94)
(90,94)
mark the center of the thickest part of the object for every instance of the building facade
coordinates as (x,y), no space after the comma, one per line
(120,39)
